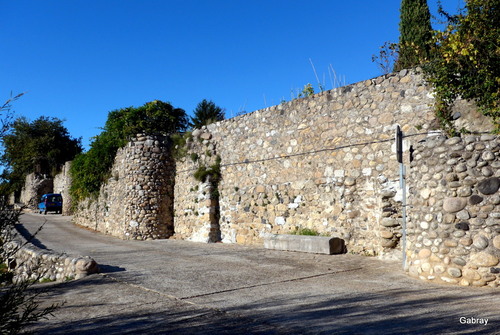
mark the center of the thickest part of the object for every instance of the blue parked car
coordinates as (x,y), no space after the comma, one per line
(50,202)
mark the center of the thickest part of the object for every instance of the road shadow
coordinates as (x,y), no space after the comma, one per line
(103,268)
(128,310)
(390,311)
(119,308)
(29,237)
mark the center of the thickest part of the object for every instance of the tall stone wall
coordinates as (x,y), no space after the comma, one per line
(62,183)
(326,162)
(454,232)
(34,187)
(197,209)
(137,200)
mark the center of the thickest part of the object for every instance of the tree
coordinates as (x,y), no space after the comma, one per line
(91,169)
(206,112)
(415,34)
(155,117)
(39,146)
(467,61)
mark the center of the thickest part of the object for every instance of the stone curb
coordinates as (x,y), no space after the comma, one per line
(305,243)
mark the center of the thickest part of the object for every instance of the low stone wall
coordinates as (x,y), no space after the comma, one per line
(454,231)
(33,263)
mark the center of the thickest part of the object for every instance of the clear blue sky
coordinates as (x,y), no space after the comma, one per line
(79,59)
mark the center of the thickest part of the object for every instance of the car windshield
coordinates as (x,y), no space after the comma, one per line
(54,199)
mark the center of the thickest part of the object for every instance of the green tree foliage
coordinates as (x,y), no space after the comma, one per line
(206,112)
(467,62)
(415,34)
(91,169)
(39,146)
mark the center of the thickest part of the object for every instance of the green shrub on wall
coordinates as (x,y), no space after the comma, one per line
(91,169)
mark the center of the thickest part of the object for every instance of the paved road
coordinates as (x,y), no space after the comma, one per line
(179,287)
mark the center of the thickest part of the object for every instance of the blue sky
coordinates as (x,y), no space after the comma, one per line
(77,60)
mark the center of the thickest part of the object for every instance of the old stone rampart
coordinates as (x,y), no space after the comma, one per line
(454,232)
(62,183)
(34,187)
(326,162)
(197,208)
(137,200)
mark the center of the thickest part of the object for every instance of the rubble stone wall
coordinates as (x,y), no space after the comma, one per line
(137,200)
(326,162)
(454,232)
(196,196)
(29,262)
(62,183)
(34,187)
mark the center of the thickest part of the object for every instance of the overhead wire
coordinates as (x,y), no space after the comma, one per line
(244,162)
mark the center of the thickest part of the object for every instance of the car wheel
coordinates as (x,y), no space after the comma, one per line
(45,213)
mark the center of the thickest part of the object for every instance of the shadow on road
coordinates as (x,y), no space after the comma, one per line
(387,311)
(110,268)
(30,238)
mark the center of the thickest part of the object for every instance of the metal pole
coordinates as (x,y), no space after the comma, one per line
(402,184)
(402,179)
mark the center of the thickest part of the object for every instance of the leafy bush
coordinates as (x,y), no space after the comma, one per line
(213,171)
(91,169)
(467,61)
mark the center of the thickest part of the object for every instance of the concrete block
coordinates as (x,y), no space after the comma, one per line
(303,243)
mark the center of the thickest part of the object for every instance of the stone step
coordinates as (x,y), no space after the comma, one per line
(304,243)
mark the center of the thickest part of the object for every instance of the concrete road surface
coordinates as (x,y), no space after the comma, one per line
(180,287)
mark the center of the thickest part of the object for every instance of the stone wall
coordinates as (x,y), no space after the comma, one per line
(32,263)
(137,200)
(62,183)
(197,210)
(326,162)
(454,232)
(34,187)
